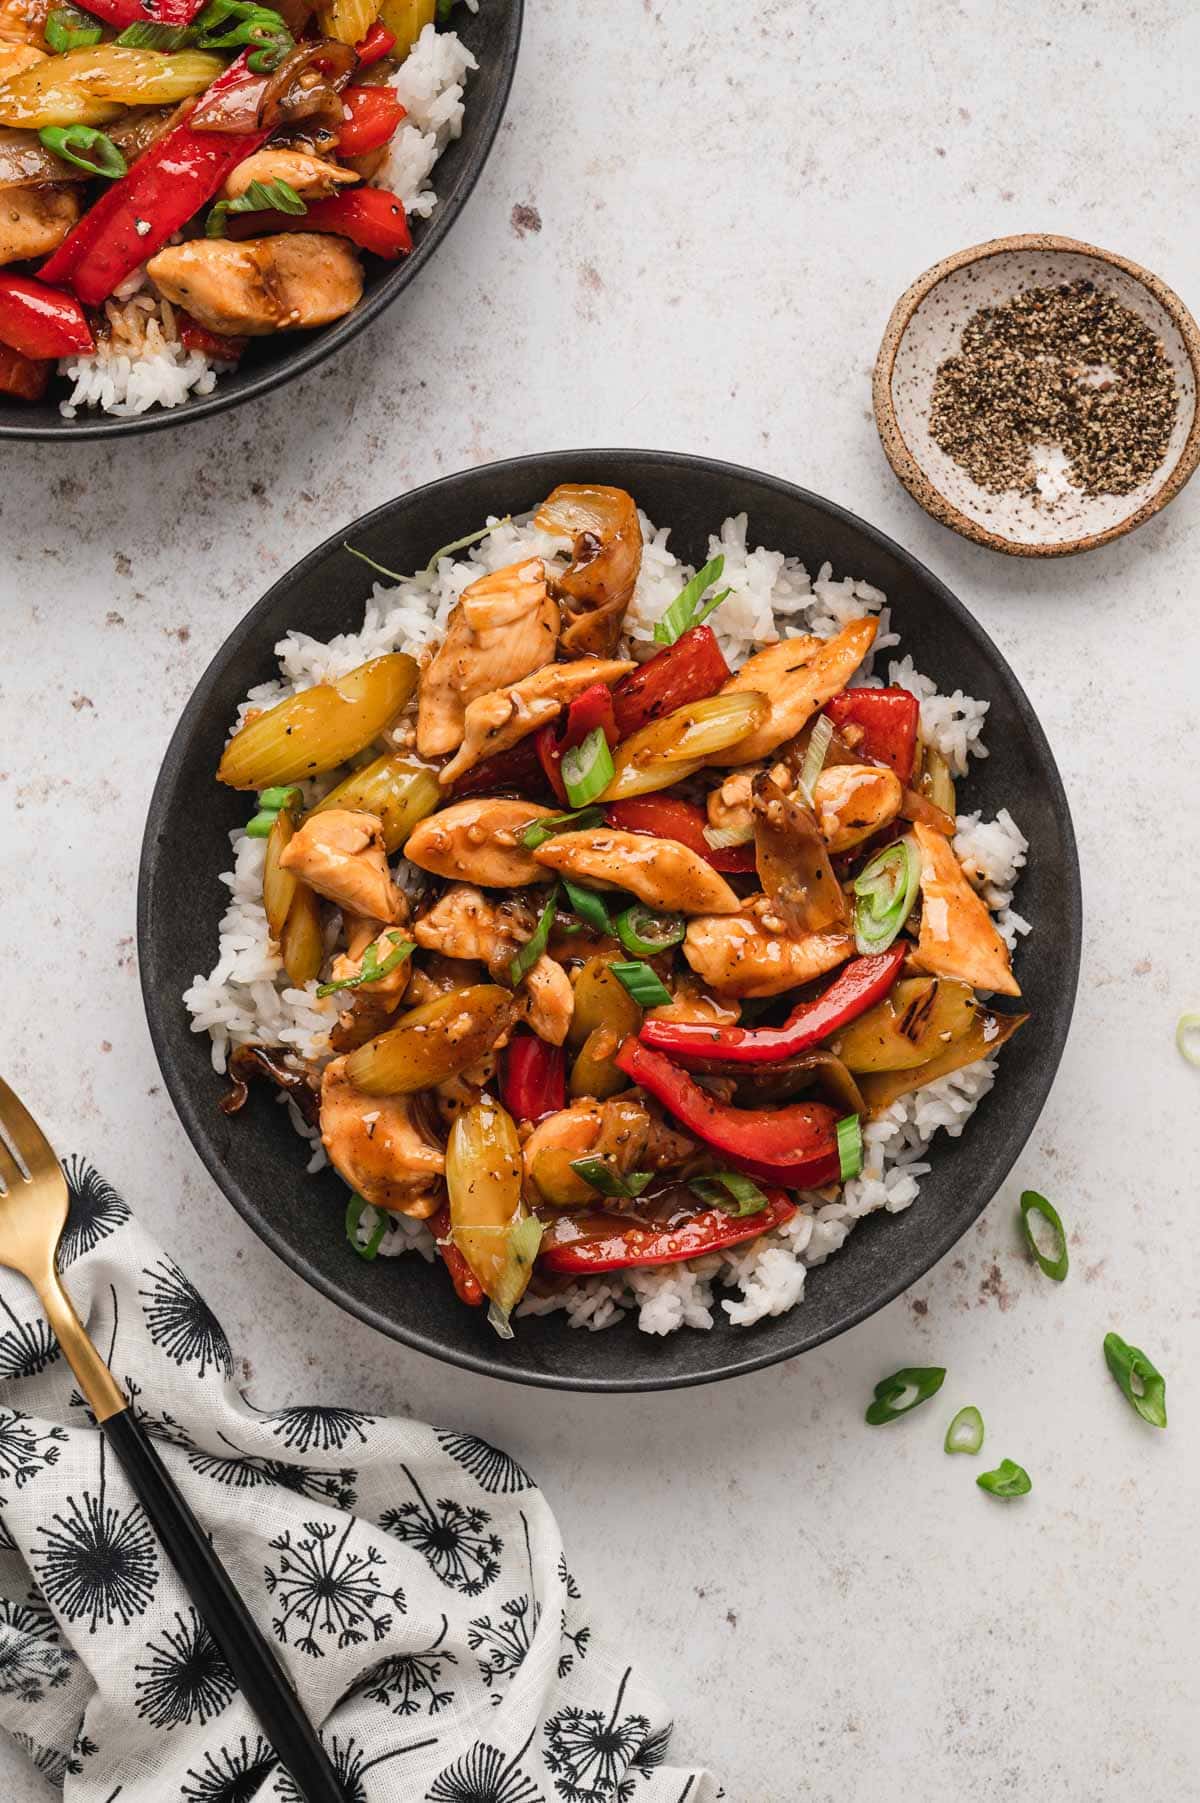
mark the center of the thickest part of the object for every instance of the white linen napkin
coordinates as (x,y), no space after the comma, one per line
(412,1578)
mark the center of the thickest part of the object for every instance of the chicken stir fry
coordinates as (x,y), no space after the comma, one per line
(664,934)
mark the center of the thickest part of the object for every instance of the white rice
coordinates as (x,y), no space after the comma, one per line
(132,370)
(247,997)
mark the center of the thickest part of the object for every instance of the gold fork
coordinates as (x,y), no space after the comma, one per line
(34,1203)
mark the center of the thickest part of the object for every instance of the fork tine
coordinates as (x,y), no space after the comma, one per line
(26,1137)
(11,1174)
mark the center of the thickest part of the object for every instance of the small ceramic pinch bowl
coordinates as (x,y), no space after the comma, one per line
(926,327)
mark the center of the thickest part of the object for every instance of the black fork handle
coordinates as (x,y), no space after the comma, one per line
(250,1656)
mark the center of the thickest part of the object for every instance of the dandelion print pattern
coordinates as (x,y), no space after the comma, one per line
(492,1469)
(453,1541)
(24,1449)
(26,1347)
(409,1683)
(485,1775)
(181,1322)
(322,1588)
(234,1776)
(96,1210)
(32,1659)
(52,1764)
(97,1565)
(326,1429)
(247,1471)
(590,1753)
(352,1765)
(504,1642)
(184,1677)
(649,1756)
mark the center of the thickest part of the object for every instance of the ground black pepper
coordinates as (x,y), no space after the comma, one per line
(1068,366)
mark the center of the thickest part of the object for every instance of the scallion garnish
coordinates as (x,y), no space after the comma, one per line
(965,1432)
(279,797)
(904,1390)
(686,610)
(850,1146)
(259,27)
(731,1191)
(608,1182)
(372,969)
(67,28)
(528,954)
(1055,1266)
(460,544)
(885,890)
(1143,1385)
(645,933)
(147,36)
(270,804)
(260,197)
(587,769)
(1008,1479)
(589,906)
(524,1238)
(578,820)
(814,757)
(370,1246)
(1187,1027)
(380,568)
(87,148)
(643,984)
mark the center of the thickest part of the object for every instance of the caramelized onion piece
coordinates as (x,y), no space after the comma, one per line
(305,86)
(248,1063)
(793,862)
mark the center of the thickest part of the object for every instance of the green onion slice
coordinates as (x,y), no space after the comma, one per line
(850,1146)
(370,1246)
(589,906)
(643,984)
(731,1191)
(67,28)
(460,544)
(1143,1385)
(382,569)
(271,802)
(259,827)
(608,1182)
(686,610)
(885,888)
(723,838)
(87,148)
(814,758)
(529,953)
(372,969)
(578,820)
(1055,1266)
(279,798)
(144,35)
(1186,1029)
(905,1389)
(1008,1479)
(965,1432)
(260,197)
(524,1238)
(587,769)
(645,933)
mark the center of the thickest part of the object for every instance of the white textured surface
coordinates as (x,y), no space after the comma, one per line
(727,216)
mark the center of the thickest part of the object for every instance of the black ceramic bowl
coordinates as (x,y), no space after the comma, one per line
(259,1162)
(492,34)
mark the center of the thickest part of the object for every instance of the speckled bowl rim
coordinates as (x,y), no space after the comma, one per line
(919,485)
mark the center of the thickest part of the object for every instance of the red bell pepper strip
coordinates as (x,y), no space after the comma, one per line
(135,216)
(136,12)
(39,321)
(378,43)
(887,719)
(533,1078)
(467,1286)
(23,377)
(857,987)
(623,1246)
(688,670)
(374,115)
(195,337)
(591,709)
(795,1145)
(372,218)
(669,817)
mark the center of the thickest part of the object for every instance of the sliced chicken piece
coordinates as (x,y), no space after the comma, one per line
(618,1129)
(606,555)
(22,22)
(855,800)
(497,720)
(661,872)
(797,676)
(341,854)
(503,627)
(34,221)
(380,1145)
(548,1000)
(465,923)
(310,176)
(479,841)
(958,938)
(692,1003)
(262,285)
(752,954)
(368,1009)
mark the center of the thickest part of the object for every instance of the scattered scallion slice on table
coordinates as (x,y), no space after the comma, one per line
(460,544)
(965,1432)
(731,1191)
(903,1391)
(689,608)
(589,906)
(644,985)
(1007,1480)
(1056,1264)
(814,758)
(370,1246)
(1142,1384)
(67,28)
(372,969)
(87,148)
(587,769)
(643,932)
(578,820)
(260,197)
(850,1146)
(1187,1037)
(885,890)
(528,954)
(608,1182)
